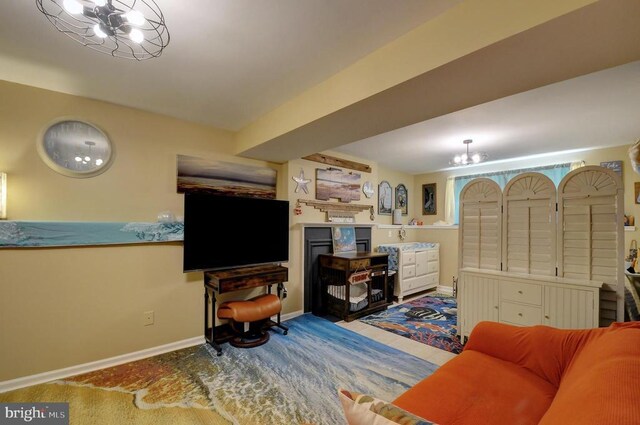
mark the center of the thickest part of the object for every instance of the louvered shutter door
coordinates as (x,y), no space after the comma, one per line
(480,225)
(529,225)
(590,234)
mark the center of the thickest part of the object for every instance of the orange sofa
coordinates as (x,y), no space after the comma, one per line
(536,375)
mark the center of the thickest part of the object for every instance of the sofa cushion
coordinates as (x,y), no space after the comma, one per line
(543,350)
(362,409)
(475,388)
(601,385)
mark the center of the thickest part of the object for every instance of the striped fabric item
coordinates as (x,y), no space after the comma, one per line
(357,295)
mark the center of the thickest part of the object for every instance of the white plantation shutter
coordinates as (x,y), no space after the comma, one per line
(480,225)
(529,225)
(590,234)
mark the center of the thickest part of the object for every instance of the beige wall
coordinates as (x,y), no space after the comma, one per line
(66,306)
(311,215)
(382,236)
(448,238)
(86,303)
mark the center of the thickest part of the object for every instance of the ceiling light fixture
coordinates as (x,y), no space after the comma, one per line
(469,158)
(131,29)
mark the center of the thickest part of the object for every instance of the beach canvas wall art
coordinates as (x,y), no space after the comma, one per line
(337,184)
(225,178)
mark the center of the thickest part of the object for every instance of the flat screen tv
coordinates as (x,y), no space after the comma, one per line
(223,232)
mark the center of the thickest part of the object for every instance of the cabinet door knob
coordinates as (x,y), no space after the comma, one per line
(546,316)
(520,292)
(520,314)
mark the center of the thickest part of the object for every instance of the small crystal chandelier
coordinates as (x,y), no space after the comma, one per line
(468,158)
(131,29)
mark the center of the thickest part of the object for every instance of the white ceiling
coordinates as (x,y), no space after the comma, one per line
(595,110)
(229,61)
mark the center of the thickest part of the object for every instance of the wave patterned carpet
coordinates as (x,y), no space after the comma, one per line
(430,320)
(290,380)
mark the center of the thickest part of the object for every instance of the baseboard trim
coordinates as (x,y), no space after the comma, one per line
(447,290)
(41,378)
(289,316)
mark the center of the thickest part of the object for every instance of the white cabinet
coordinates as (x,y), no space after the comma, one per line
(526,300)
(478,300)
(417,266)
(536,255)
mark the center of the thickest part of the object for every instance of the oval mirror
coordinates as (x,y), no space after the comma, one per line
(75,148)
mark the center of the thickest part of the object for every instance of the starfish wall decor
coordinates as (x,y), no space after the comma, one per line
(301,182)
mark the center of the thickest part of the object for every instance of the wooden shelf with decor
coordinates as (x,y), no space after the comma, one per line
(354,284)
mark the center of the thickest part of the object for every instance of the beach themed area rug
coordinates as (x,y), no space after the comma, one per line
(430,320)
(292,379)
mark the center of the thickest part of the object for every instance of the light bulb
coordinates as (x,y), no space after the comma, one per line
(464,158)
(135,18)
(87,158)
(100,2)
(98,161)
(78,159)
(457,159)
(476,157)
(98,31)
(136,35)
(74,7)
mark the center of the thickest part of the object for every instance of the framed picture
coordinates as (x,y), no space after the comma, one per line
(429,198)
(335,183)
(344,239)
(402,200)
(225,178)
(385,198)
(636,187)
(613,166)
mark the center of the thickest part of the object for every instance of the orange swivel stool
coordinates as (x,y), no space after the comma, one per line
(253,314)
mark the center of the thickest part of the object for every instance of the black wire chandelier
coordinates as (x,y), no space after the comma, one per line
(131,29)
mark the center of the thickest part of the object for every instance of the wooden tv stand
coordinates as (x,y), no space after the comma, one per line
(237,279)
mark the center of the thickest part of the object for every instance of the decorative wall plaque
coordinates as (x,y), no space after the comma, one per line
(402,199)
(385,198)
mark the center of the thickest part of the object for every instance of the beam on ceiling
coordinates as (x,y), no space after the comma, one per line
(471,26)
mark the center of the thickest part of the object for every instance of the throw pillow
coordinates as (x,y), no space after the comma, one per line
(362,409)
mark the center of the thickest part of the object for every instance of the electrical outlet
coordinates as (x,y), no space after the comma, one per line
(147,318)
(390,234)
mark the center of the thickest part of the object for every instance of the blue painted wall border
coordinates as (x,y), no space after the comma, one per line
(28,234)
